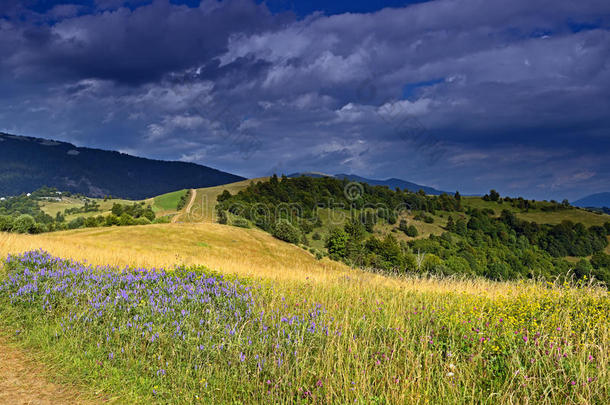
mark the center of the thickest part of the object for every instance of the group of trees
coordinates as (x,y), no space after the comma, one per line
(22,214)
(183,200)
(525,205)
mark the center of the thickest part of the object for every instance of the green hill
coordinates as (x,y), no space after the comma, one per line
(401,231)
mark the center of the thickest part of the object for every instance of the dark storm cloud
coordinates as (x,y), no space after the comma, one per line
(471,95)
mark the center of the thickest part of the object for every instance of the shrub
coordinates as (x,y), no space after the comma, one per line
(76,223)
(6,223)
(24,224)
(284,230)
(143,221)
(316,236)
(166,219)
(241,223)
(412,231)
(432,263)
(222,217)
(126,219)
(112,220)
(337,243)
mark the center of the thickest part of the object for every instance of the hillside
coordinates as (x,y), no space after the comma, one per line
(27,164)
(598,200)
(400,231)
(272,326)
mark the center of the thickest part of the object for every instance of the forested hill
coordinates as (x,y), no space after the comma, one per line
(400,231)
(26,164)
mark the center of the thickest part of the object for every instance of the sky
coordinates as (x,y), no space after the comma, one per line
(462,95)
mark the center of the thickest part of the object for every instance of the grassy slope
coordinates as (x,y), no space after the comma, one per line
(53,207)
(167,202)
(203,208)
(572,214)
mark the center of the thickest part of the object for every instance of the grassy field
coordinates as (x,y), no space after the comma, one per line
(307,331)
(53,207)
(167,202)
(203,208)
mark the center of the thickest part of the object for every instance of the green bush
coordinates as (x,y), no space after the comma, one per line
(241,223)
(284,230)
(166,219)
(76,223)
(112,220)
(316,236)
(24,224)
(126,219)
(6,223)
(143,221)
(412,231)
(337,243)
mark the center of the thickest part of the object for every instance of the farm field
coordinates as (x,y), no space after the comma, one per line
(269,335)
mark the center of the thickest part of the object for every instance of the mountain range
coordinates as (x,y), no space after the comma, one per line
(391,183)
(598,200)
(27,164)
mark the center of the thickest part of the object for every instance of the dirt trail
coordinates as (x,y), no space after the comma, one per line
(23,381)
(188,207)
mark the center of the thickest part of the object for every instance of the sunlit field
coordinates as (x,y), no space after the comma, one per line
(246,318)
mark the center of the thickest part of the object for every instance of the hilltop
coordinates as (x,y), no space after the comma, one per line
(598,200)
(27,164)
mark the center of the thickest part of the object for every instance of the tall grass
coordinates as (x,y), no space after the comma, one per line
(376,339)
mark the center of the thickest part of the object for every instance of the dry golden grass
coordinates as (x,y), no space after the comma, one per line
(229,250)
(203,207)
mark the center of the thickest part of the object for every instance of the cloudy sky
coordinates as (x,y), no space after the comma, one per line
(467,95)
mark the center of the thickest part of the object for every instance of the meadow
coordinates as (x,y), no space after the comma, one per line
(239,317)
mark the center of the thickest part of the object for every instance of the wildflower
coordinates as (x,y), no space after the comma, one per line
(450,374)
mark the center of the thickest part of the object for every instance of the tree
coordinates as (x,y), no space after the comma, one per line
(284,230)
(403,226)
(450,224)
(369,222)
(24,224)
(112,220)
(412,231)
(76,223)
(222,217)
(354,229)
(126,219)
(494,195)
(117,209)
(337,243)
(6,223)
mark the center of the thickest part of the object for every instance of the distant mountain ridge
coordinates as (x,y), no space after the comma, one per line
(28,163)
(598,200)
(391,183)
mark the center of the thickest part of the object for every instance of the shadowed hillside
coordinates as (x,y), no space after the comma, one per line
(27,164)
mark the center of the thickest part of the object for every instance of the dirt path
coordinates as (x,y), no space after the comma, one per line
(23,381)
(188,207)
